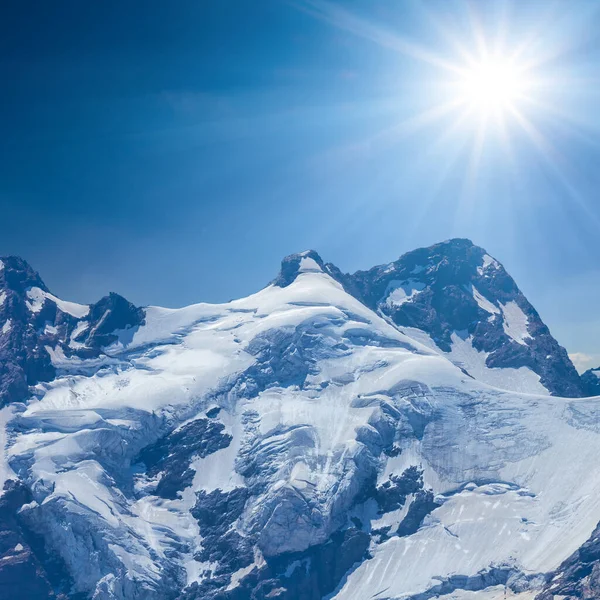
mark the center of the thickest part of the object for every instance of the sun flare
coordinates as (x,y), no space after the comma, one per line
(491,85)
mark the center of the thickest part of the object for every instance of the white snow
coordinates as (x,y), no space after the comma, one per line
(79,329)
(2,297)
(308,265)
(488,262)
(515,322)
(522,380)
(534,452)
(483,302)
(400,292)
(77,310)
(238,575)
(217,470)
(38,296)
(5,471)
(546,512)
(50,329)
(7,326)
(464,355)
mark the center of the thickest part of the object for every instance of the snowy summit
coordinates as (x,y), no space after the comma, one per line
(407,432)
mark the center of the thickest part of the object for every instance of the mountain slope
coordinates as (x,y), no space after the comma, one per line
(37,326)
(468,306)
(295,444)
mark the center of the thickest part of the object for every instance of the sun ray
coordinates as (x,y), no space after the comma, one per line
(343,19)
(497,71)
(554,160)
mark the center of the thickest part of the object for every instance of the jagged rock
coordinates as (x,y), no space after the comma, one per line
(33,323)
(392,494)
(456,288)
(310,575)
(26,569)
(109,315)
(590,381)
(579,575)
(216,512)
(171,455)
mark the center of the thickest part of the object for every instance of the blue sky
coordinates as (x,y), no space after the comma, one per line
(175,152)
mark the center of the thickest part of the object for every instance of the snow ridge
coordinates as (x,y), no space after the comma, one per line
(298,443)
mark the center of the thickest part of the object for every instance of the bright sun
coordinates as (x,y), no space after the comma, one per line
(491,86)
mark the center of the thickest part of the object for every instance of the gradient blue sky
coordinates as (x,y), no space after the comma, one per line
(175,152)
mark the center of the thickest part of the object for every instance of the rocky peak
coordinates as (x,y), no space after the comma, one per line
(591,382)
(459,295)
(17,275)
(110,314)
(293,265)
(32,321)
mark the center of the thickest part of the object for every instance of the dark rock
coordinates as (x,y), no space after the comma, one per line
(110,314)
(421,506)
(591,382)
(392,494)
(290,267)
(216,512)
(18,276)
(445,275)
(579,575)
(309,575)
(26,569)
(213,413)
(24,358)
(173,453)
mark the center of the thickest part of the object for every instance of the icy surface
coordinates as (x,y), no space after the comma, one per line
(465,356)
(515,322)
(5,471)
(315,403)
(537,512)
(399,292)
(484,303)
(488,262)
(37,297)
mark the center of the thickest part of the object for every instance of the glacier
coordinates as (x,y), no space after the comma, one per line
(305,442)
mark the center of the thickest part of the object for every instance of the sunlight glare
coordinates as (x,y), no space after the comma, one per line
(491,86)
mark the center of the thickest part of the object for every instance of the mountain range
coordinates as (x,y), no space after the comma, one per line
(410,431)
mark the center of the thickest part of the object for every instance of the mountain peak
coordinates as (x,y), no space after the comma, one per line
(293,265)
(17,274)
(468,306)
(591,382)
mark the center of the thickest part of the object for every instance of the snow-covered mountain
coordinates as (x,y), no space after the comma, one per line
(464,303)
(38,329)
(332,436)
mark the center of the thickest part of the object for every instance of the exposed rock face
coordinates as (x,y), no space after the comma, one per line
(109,315)
(34,324)
(578,576)
(456,293)
(456,288)
(590,381)
(26,569)
(23,359)
(171,455)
